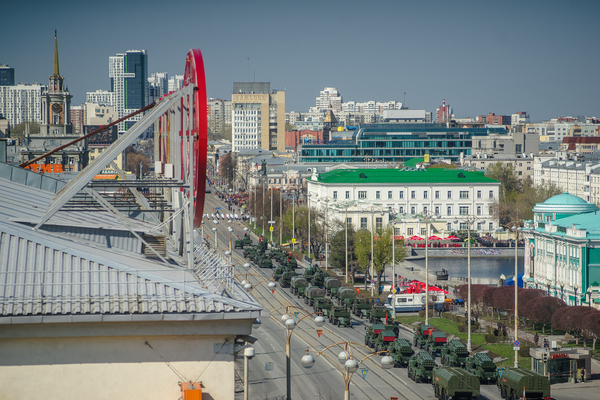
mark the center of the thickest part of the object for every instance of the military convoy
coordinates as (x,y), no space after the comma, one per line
(434,343)
(482,366)
(378,314)
(516,383)
(361,307)
(454,383)
(454,354)
(401,351)
(421,336)
(346,296)
(332,285)
(323,305)
(371,333)
(299,285)
(312,293)
(420,367)
(385,338)
(340,316)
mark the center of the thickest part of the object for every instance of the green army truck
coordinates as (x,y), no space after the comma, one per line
(298,285)
(435,342)
(371,333)
(319,277)
(278,272)
(310,272)
(454,354)
(401,351)
(516,383)
(287,276)
(332,285)
(455,383)
(346,296)
(482,366)
(323,305)
(384,339)
(420,367)
(340,316)
(312,293)
(378,314)
(361,307)
(239,244)
(421,336)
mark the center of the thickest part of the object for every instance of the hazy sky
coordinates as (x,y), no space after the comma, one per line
(481,56)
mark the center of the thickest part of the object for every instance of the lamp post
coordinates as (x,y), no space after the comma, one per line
(346,358)
(516,280)
(562,289)
(548,283)
(575,287)
(589,293)
(271,228)
(215,231)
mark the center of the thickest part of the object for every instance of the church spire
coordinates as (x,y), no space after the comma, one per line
(55,71)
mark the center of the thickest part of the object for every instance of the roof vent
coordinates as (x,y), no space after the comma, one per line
(461,175)
(157,242)
(362,175)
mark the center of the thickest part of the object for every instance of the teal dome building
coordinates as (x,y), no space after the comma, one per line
(562,252)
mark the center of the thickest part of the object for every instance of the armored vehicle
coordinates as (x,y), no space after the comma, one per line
(287,276)
(482,366)
(377,314)
(275,253)
(454,354)
(292,262)
(312,293)
(361,307)
(371,333)
(421,336)
(248,251)
(346,296)
(332,285)
(434,344)
(455,383)
(324,305)
(299,285)
(247,240)
(277,273)
(319,277)
(310,272)
(420,367)
(265,262)
(340,316)
(384,339)
(239,244)
(400,350)
(516,383)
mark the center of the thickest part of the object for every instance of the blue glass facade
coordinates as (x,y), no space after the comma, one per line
(135,87)
(393,142)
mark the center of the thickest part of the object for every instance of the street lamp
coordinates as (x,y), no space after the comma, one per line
(346,358)
(589,293)
(575,287)
(248,355)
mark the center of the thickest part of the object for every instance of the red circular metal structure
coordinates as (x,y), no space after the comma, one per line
(194,74)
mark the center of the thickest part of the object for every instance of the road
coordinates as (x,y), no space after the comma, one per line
(324,380)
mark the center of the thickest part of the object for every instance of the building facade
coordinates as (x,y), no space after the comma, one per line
(21,103)
(128,73)
(258,117)
(569,176)
(522,165)
(445,113)
(219,114)
(7,75)
(175,82)
(78,116)
(101,97)
(368,196)
(329,97)
(158,86)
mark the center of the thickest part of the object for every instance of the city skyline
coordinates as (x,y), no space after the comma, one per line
(479,57)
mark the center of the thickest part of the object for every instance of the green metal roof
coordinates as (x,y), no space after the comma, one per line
(414,161)
(565,199)
(403,176)
(588,221)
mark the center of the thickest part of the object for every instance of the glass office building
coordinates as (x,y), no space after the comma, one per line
(398,142)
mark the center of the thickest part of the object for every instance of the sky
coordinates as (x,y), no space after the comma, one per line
(481,56)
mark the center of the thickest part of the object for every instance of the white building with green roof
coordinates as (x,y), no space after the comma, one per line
(562,254)
(366,196)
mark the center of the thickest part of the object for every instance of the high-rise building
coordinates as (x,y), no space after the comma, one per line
(21,103)
(7,75)
(329,97)
(219,113)
(520,118)
(101,97)
(158,86)
(444,113)
(258,117)
(128,73)
(175,82)
(78,118)
(56,103)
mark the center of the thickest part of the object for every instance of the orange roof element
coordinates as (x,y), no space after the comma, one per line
(106,176)
(191,390)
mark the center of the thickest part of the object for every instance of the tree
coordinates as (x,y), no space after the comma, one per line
(337,258)
(382,247)
(289,127)
(591,328)
(541,310)
(136,160)
(362,250)
(570,319)
(18,131)
(228,167)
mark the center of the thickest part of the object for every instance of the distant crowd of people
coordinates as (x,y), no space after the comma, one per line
(489,241)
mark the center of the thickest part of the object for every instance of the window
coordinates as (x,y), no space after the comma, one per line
(413,194)
(449,194)
(463,210)
(335,194)
(378,195)
(449,211)
(479,226)
(390,195)
(449,226)
(409,231)
(423,231)
(437,194)
(479,194)
(464,194)
(491,194)
(425,194)
(401,194)
(349,221)
(412,210)
(347,194)
(437,209)
(491,226)
(425,209)
(478,210)
(363,222)
(378,223)
(401,210)
(362,194)
(463,226)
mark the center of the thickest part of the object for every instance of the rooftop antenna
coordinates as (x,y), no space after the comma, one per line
(249,70)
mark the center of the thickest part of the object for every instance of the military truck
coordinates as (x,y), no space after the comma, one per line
(420,367)
(319,277)
(247,240)
(340,316)
(516,382)
(361,307)
(454,354)
(346,296)
(332,285)
(384,339)
(287,276)
(310,272)
(401,351)
(421,336)
(371,333)
(434,344)
(298,285)
(377,314)
(312,293)
(455,383)
(324,305)
(265,262)
(482,366)
(239,244)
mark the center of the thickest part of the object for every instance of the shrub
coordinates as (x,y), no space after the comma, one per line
(461,327)
(489,338)
(524,351)
(422,312)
